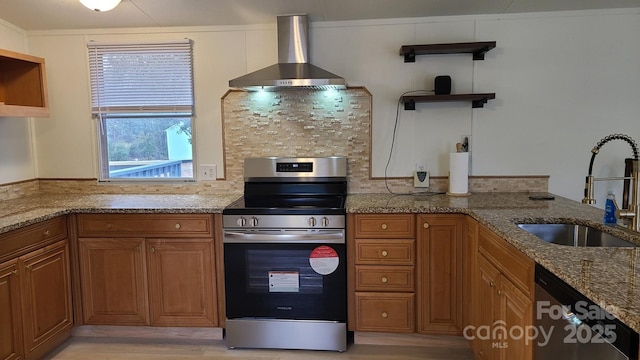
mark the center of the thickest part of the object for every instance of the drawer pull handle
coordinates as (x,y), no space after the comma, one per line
(500,292)
(153,249)
(425,225)
(384,253)
(47,233)
(109,226)
(384,315)
(384,226)
(384,279)
(15,271)
(177,226)
(492,283)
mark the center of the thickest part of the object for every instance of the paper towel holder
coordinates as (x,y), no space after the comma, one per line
(465,174)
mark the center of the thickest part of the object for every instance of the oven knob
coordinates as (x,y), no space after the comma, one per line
(312,221)
(242,221)
(253,221)
(325,221)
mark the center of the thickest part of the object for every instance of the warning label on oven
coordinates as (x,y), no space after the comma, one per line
(284,281)
(324,260)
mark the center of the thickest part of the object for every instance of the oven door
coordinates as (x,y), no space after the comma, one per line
(300,277)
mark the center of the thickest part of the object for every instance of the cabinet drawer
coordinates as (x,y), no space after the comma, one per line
(385,312)
(516,266)
(21,241)
(384,278)
(385,252)
(147,225)
(384,225)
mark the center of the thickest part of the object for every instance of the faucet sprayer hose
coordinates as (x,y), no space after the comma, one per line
(606,139)
(627,138)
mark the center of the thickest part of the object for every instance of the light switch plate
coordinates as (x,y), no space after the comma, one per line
(208,172)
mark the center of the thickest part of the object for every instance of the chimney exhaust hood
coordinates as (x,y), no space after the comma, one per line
(293,70)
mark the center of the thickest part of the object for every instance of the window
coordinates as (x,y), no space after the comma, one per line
(142,98)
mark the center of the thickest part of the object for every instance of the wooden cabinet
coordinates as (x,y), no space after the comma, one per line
(35,290)
(439,273)
(148,269)
(181,282)
(382,274)
(113,278)
(385,312)
(487,311)
(505,288)
(46,298)
(23,87)
(470,260)
(384,226)
(11,314)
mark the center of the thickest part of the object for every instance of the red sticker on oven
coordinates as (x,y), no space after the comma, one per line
(324,260)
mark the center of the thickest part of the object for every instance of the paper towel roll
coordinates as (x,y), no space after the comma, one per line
(459,173)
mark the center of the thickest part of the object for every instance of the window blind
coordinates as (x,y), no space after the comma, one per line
(139,79)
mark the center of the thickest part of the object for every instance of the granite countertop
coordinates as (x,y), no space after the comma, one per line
(605,275)
(28,210)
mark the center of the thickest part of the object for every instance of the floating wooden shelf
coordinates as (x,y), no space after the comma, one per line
(477,100)
(478,49)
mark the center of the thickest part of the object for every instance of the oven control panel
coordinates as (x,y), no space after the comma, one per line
(294,167)
(284,221)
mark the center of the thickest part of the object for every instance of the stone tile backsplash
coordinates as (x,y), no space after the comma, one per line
(293,123)
(298,123)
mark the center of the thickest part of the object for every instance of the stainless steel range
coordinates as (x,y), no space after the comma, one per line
(285,256)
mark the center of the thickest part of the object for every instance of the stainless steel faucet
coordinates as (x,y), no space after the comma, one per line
(630,210)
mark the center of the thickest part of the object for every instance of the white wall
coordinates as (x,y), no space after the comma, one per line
(16,154)
(562,81)
(67,142)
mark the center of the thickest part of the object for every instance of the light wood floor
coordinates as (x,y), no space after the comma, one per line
(107,348)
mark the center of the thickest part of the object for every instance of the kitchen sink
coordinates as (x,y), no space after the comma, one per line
(575,235)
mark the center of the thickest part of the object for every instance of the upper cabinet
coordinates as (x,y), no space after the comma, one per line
(23,86)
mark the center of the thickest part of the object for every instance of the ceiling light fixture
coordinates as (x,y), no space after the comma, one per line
(100,5)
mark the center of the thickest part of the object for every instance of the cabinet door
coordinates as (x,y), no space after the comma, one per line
(46,298)
(486,307)
(181,282)
(516,310)
(440,274)
(469,260)
(10,316)
(113,278)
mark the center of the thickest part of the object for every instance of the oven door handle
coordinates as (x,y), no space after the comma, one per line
(330,237)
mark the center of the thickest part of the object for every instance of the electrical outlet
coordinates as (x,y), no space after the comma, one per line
(421,179)
(208,172)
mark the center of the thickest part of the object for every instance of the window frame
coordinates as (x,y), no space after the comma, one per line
(102,113)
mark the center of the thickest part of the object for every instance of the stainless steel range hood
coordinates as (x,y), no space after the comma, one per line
(293,69)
